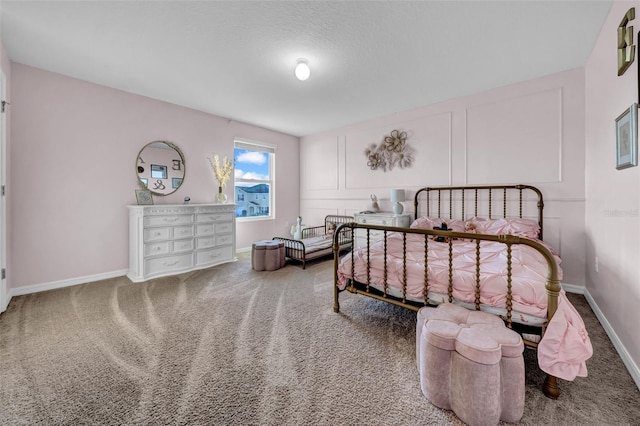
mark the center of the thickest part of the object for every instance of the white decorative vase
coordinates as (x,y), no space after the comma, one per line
(221,197)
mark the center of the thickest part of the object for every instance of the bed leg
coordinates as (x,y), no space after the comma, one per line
(551,389)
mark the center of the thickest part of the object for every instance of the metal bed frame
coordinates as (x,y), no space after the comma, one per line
(296,249)
(459,202)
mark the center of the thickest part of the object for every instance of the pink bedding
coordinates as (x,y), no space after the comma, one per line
(565,346)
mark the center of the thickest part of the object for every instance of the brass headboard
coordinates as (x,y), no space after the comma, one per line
(488,201)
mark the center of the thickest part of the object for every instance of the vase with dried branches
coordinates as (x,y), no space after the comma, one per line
(222,172)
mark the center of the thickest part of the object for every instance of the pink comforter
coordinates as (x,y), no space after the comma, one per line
(565,346)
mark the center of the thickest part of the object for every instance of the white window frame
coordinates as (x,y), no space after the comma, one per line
(271,150)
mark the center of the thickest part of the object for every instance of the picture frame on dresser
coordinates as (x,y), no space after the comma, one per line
(627,138)
(144,197)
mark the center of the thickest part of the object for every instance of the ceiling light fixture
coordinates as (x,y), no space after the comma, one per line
(302,70)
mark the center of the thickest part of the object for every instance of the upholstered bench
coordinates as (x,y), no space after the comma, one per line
(267,255)
(469,362)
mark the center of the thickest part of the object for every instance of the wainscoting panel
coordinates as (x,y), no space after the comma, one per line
(429,137)
(319,164)
(516,140)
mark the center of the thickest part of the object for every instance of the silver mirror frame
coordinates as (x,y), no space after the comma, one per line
(184,167)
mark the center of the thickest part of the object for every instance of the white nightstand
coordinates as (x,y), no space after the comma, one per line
(382,218)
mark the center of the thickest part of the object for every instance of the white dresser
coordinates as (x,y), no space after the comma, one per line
(169,239)
(384,219)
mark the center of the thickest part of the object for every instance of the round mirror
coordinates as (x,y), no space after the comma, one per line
(160,167)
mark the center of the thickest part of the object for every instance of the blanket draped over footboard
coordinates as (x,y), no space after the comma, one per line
(499,266)
(506,275)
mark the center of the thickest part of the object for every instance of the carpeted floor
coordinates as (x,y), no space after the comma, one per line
(231,346)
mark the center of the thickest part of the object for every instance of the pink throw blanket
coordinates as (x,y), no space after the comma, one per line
(565,346)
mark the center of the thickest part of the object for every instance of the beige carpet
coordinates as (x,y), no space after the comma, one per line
(230,346)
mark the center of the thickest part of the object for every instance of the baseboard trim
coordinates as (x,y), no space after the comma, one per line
(572,288)
(622,351)
(7,298)
(36,288)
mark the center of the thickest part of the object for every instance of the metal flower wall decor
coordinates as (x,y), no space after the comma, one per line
(393,151)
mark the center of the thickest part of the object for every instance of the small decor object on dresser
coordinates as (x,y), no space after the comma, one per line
(144,197)
(222,173)
(221,197)
(374,204)
(397,197)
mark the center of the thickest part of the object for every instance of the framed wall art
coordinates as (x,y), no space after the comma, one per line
(627,138)
(144,197)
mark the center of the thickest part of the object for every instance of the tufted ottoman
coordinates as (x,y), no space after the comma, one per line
(267,255)
(469,362)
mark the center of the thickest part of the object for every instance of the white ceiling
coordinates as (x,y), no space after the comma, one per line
(236,58)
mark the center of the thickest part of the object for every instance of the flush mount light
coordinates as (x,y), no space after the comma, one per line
(302,70)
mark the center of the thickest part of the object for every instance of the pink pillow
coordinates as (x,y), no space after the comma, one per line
(427,222)
(514,226)
(456,225)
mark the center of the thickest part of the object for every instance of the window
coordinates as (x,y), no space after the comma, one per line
(158,172)
(253,179)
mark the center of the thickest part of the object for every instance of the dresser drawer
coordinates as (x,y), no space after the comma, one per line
(223,228)
(156,234)
(384,221)
(205,242)
(222,240)
(156,248)
(214,255)
(182,219)
(182,232)
(214,217)
(159,265)
(205,229)
(182,246)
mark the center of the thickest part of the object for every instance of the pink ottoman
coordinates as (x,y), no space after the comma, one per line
(469,362)
(267,255)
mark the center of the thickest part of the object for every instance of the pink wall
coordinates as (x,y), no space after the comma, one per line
(73,154)
(531,132)
(613,196)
